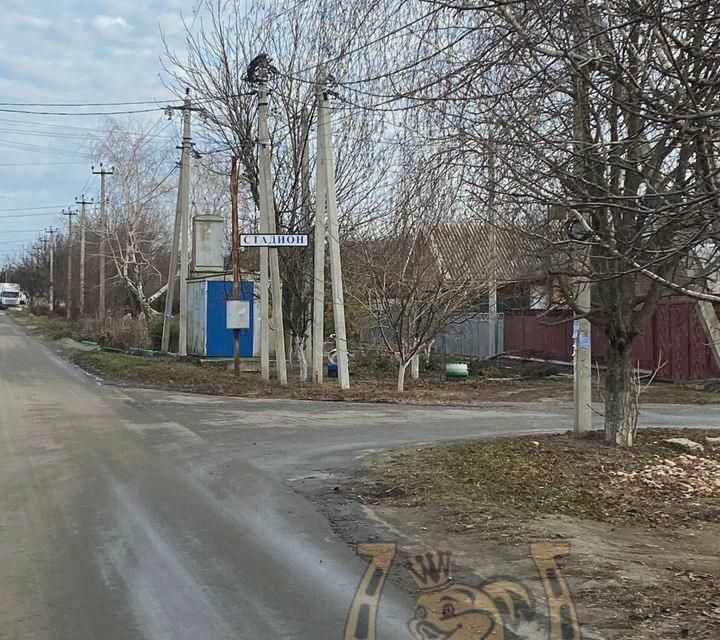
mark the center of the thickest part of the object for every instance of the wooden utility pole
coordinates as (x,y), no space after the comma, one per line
(83,224)
(101,249)
(235,256)
(68,297)
(338,297)
(318,316)
(258,73)
(51,294)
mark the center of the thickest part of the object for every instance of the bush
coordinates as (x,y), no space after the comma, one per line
(374,360)
(156,335)
(433,363)
(124,332)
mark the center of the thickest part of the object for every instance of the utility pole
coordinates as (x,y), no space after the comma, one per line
(83,224)
(68,298)
(103,230)
(306,347)
(582,360)
(318,316)
(181,234)
(492,245)
(325,148)
(235,256)
(172,274)
(51,296)
(258,73)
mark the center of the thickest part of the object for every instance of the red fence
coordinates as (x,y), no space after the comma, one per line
(674,337)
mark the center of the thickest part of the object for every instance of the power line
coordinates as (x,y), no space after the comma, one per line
(83,104)
(29,215)
(57,206)
(34,164)
(61,127)
(80,113)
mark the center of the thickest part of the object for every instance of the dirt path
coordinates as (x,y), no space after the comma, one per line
(648,569)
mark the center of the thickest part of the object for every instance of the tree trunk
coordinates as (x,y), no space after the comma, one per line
(415,366)
(402,368)
(621,396)
(299,353)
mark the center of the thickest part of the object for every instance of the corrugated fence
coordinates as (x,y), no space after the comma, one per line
(674,338)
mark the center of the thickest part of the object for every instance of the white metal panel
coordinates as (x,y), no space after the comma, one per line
(197,317)
(237,314)
(208,240)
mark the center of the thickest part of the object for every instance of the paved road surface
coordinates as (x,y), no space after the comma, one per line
(152,515)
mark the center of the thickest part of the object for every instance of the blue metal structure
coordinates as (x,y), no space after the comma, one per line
(208,334)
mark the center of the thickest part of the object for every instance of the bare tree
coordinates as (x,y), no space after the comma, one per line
(297,38)
(139,209)
(606,112)
(411,295)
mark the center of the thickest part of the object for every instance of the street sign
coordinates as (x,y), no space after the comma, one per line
(274,240)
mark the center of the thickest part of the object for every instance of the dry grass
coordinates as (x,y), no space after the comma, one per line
(557,474)
(512,382)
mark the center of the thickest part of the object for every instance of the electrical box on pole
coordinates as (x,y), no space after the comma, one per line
(237,314)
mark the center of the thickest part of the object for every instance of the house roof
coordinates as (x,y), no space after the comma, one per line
(462,250)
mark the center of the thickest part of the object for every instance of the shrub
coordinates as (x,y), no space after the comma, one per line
(124,332)
(156,335)
(374,360)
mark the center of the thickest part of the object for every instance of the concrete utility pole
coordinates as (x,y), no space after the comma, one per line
(83,224)
(492,246)
(181,233)
(51,296)
(306,347)
(318,317)
(338,296)
(185,222)
(68,298)
(582,360)
(258,73)
(172,274)
(235,256)
(103,230)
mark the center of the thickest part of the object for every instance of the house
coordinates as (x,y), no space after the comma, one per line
(465,249)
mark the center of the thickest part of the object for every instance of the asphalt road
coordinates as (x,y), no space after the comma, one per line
(135,514)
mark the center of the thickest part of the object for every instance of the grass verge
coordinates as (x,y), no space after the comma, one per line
(557,474)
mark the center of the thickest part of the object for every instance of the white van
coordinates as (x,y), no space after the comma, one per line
(10,295)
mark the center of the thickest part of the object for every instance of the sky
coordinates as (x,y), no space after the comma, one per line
(78,52)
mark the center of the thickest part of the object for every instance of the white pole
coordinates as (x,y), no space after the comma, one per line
(492,241)
(583,362)
(264,287)
(184,223)
(51,231)
(338,297)
(318,319)
(268,212)
(172,273)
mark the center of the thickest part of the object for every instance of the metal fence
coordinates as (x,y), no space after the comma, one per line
(466,336)
(469,336)
(673,341)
